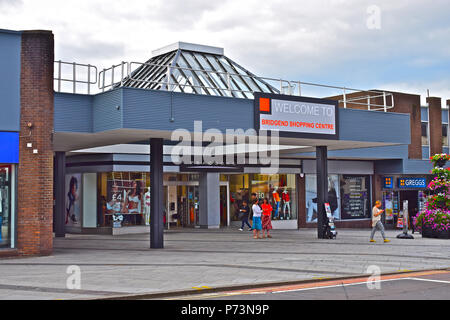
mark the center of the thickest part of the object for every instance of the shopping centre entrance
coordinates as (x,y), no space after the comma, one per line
(182,202)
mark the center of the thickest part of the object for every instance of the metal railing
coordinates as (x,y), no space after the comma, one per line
(226,84)
(74,79)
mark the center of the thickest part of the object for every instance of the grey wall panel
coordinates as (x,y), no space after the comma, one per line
(425,152)
(389,152)
(73,113)
(107,111)
(361,125)
(341,167)
(389,167)
(417,167)
(145,109)
(10,48)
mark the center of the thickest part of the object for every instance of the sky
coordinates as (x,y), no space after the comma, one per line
(378,44)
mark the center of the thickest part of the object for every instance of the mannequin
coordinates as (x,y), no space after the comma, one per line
(287,203)
(147,207)
(276,199)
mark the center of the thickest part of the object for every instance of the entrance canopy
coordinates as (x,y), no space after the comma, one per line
(128,115)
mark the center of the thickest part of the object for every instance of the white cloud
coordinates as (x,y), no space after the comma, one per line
(322,39)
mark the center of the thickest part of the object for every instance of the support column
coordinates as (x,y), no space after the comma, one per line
(157,194)
(322,188)
(209,196)
(435,124)
(60,209)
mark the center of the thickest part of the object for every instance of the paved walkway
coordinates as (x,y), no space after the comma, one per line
(120,265)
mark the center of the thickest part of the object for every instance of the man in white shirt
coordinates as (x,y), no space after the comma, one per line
(376,222)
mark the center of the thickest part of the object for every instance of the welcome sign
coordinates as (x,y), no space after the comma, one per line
(301,117)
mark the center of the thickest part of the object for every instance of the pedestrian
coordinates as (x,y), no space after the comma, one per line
(257,226)
(376,222)
(244,211)
(266,221)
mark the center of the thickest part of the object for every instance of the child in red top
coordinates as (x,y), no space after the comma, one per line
(266,222)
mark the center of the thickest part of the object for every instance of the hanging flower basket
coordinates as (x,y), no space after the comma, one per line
(439,160)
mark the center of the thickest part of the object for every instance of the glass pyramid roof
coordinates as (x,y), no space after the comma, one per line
(197,69)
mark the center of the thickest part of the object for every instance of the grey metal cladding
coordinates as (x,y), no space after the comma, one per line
(385,152)
(374,126)
(389,167)
(10,44)
(107,111)
(73,113)
(411,166)
(153,109)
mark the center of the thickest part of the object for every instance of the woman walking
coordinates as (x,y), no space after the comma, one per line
(266,222)
(376,222)
(257,226)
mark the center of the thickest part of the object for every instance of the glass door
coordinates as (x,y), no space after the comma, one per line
(5,206)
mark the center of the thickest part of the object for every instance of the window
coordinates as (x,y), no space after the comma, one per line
(6,205)
(124,194)
(445,135)
(333,197)
(355,196)
(425,134)
(279,189)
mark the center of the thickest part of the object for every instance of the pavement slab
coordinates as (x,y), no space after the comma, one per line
(196,258)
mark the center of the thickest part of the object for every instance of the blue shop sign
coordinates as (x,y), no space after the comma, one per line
(9,147)
(412,183)
(388,182)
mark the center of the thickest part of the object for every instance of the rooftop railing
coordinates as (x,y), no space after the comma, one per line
(79,78)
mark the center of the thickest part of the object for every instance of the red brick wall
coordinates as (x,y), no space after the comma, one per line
(35,174)
(410,103)
(435,124)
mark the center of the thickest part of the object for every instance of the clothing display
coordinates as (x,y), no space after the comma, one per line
(147,207)
(276,199)
(134,204)
(286,203)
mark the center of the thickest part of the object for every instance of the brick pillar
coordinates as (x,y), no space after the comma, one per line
(435,124)
(409,103)
(35,175)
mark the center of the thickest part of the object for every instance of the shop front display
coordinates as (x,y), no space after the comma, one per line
(355,191)
(124,198)
(311,197)
(5,205)
(279,189)
(400,188)
(348,196)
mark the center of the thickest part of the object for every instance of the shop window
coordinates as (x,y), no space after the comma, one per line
(355,196)
(279,189)
(126,194)
(5,206)
(311,197)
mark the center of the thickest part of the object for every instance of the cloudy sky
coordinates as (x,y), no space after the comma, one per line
(395,45)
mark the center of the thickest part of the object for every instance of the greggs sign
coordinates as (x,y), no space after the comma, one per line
(297,116)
